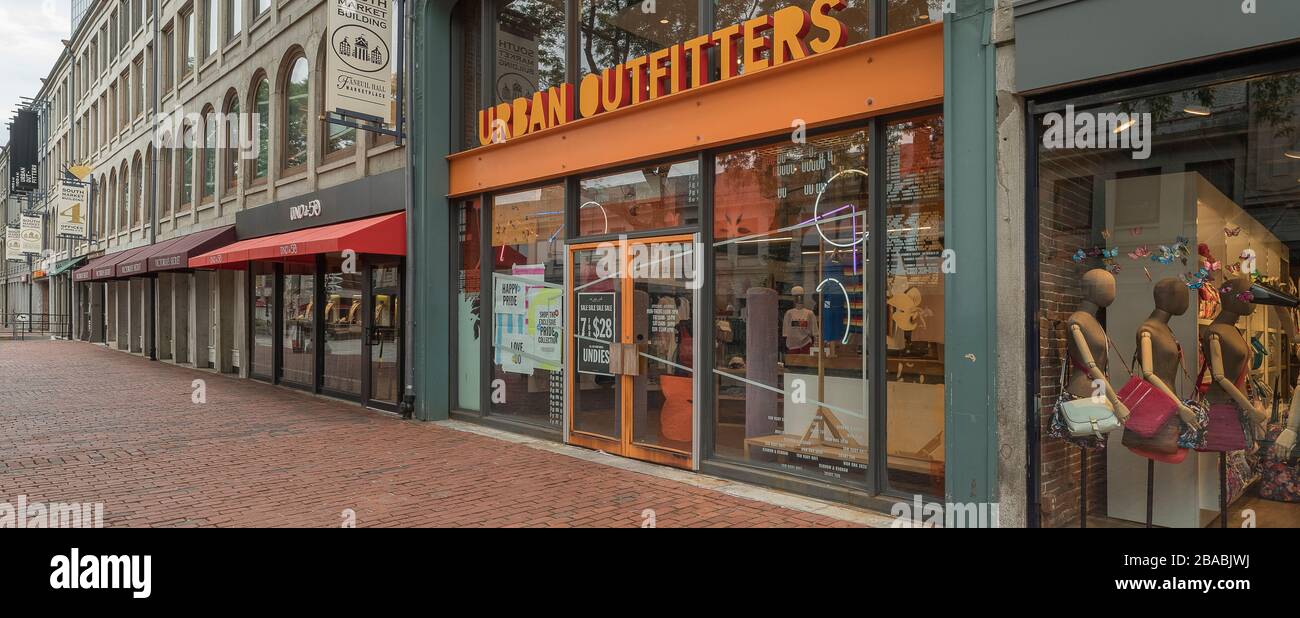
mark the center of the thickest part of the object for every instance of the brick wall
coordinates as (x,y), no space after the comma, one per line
(1065,225)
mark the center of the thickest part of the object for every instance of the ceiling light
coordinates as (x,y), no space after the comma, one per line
(1197,110)
(663,21)
(1292,153)
(1125,125)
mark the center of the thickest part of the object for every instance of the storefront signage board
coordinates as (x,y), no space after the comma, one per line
(788,34)
(358,64)
(595,318)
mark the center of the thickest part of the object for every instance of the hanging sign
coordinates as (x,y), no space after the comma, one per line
(13,244)
(759,43)
(594,327)
(358,73)
(71,212)
(30,229)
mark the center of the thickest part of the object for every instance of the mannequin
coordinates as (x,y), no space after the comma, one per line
(1086,342)
(1158,349)
(1286,440)
(1228,351)
(799,325)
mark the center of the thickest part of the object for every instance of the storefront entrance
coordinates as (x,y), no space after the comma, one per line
(631,347)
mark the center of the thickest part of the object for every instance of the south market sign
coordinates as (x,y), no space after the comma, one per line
(756,44)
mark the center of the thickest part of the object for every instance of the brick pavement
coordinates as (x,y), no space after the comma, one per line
(80,423)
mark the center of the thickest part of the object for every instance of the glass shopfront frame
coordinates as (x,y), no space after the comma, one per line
(881,482)
(1225,138)
(367,362)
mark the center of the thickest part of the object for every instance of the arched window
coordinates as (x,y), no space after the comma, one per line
(124,199)
(296,102)
(262,109)
(188,145)
(110,210)
(167,173)
(137,189)
(340,141)
(230,166)
(209,187)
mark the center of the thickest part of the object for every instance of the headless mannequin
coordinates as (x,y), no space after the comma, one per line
(1086,343)
(1158,349)
(1228,351)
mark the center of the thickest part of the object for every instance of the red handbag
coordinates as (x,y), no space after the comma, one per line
(1225,433)
(1149,407)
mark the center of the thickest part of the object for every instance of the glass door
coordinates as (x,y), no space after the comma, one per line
(632,348)
(384,335)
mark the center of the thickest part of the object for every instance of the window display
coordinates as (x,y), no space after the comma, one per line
(468,308)
(1166,226)
(791,244)
(527,282)
(914,305)
(344,363)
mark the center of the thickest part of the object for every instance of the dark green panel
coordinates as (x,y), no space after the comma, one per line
(970,206)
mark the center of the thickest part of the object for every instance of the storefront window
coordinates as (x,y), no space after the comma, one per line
(530,42)
(856,17)
(528,276)
(468,308)
(469,50)
(263,319)
(660,196)
(614,31)
(791,276)
(904,14)
(1167,223)
(299,318)
(914,305)
(342,319)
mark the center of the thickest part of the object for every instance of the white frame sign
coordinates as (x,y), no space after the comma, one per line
(358,65)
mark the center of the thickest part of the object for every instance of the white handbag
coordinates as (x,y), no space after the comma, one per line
(1087,416)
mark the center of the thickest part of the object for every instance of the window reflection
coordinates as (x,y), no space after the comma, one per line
(791,275)
(342,321)
(615,30)
(528,274)
(914,305)
(654,197)
(530,41)
(263,318)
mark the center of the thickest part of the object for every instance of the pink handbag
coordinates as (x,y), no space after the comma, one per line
(1225,433)
(1149,407)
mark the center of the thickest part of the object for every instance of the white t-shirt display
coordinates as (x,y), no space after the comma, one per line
(798,327)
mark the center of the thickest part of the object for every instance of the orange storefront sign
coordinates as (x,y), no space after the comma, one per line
(832,83)
(755,44)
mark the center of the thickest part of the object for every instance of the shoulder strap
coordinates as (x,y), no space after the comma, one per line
(1127,367)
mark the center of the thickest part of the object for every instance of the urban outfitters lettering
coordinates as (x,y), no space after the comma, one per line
(754,45)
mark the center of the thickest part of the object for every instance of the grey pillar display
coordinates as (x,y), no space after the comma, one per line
(199,316)
(163,322)
(180,319)
(762,331)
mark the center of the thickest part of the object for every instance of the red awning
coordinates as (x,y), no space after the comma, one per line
(104,267)
(174,253)
(385,234)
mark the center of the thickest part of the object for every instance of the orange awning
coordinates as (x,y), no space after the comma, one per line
(385,234)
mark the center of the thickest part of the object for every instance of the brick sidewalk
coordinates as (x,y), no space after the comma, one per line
(80,423)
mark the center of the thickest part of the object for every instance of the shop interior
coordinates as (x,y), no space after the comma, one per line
(1196,243)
